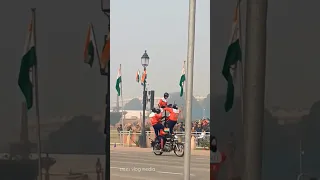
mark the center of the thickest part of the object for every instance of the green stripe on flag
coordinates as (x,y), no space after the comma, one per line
(181,83)
(28,61)
(90,54)
(118,85)
(230,63)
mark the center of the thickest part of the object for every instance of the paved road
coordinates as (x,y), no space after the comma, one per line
(133,165)
(77,163)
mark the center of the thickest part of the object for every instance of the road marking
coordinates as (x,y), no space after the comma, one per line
(130,177)
(160,165)
(114,167)
(156,158)
(202,159)
(130,154)
(163,172)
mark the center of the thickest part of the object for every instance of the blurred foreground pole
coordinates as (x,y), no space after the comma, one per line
(189,90)
(35,78)
(105,58)
(254,86)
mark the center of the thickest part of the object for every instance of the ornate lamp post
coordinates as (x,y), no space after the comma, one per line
(143,140)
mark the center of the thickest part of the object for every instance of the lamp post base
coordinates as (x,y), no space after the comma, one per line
(142,140)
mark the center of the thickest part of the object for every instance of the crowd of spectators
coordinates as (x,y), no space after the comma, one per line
(199,126)
(202,125)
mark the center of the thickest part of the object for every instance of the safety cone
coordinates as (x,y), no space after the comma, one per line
(115,145)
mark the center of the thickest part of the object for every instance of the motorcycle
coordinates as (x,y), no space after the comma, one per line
(170,143)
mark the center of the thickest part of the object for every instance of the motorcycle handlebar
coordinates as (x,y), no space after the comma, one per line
(164,118)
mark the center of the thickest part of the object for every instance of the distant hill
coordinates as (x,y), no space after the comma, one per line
(134,104)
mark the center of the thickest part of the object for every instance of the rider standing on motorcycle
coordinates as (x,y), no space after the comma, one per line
(216,158)
(163,102)
(173,117)
(155,120)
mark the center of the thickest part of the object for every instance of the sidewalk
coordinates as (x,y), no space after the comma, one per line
(137,149)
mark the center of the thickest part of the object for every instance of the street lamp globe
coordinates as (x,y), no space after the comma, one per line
(145,59)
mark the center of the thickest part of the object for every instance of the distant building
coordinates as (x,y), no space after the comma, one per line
(289,116)
(54,124)
(133,116)
(156,99)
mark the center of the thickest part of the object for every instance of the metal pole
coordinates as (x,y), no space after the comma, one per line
(144,99)
(241,63)
(122,108)
(300,161)
(189,93)
(107,126)
(185,82)
(107,98)
(254,86)
(299,176)
(300,155)
(203,113)
(117,104)
(185,90)
(37,96)
(95,44)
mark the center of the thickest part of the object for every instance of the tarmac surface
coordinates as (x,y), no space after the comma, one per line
(142,164)
(76,164)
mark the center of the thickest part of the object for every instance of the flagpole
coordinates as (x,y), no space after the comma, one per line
(254,91)
(37,96)
(189,94)
(122,113)
(185,89)
(184,84)
(241,63)
(185,75)
(107,99)
(95,44)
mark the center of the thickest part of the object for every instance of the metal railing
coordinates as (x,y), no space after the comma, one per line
(119,138)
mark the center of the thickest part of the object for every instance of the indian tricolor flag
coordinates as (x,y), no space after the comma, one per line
(182,80)
(90,46)
(29,60)
(118,82)
(143,77)
(232,58)
(138,76)
(105,56)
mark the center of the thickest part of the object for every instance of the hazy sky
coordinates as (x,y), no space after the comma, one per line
(161,28)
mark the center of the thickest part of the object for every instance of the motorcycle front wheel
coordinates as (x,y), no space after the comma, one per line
(179,150)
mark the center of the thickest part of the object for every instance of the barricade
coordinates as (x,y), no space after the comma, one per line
(130,139)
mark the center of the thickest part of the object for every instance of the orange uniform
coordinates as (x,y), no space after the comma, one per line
(162,103)
(174,114)
(155,118)
(216,159)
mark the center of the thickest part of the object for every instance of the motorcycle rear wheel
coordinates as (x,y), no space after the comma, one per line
(156,151)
